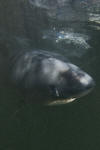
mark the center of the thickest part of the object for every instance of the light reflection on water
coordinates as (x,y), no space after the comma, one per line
(63,38)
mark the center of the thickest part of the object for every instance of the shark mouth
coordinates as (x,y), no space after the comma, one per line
(67,100)
(59,102)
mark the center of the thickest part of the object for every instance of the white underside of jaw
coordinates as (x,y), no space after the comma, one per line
(59,102)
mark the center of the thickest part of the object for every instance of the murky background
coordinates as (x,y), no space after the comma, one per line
(68,27)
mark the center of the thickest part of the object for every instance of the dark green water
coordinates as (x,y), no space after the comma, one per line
(25,126)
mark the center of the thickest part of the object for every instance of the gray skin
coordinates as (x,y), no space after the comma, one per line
(49,78)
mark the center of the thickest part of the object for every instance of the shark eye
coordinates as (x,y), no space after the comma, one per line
(64,76)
